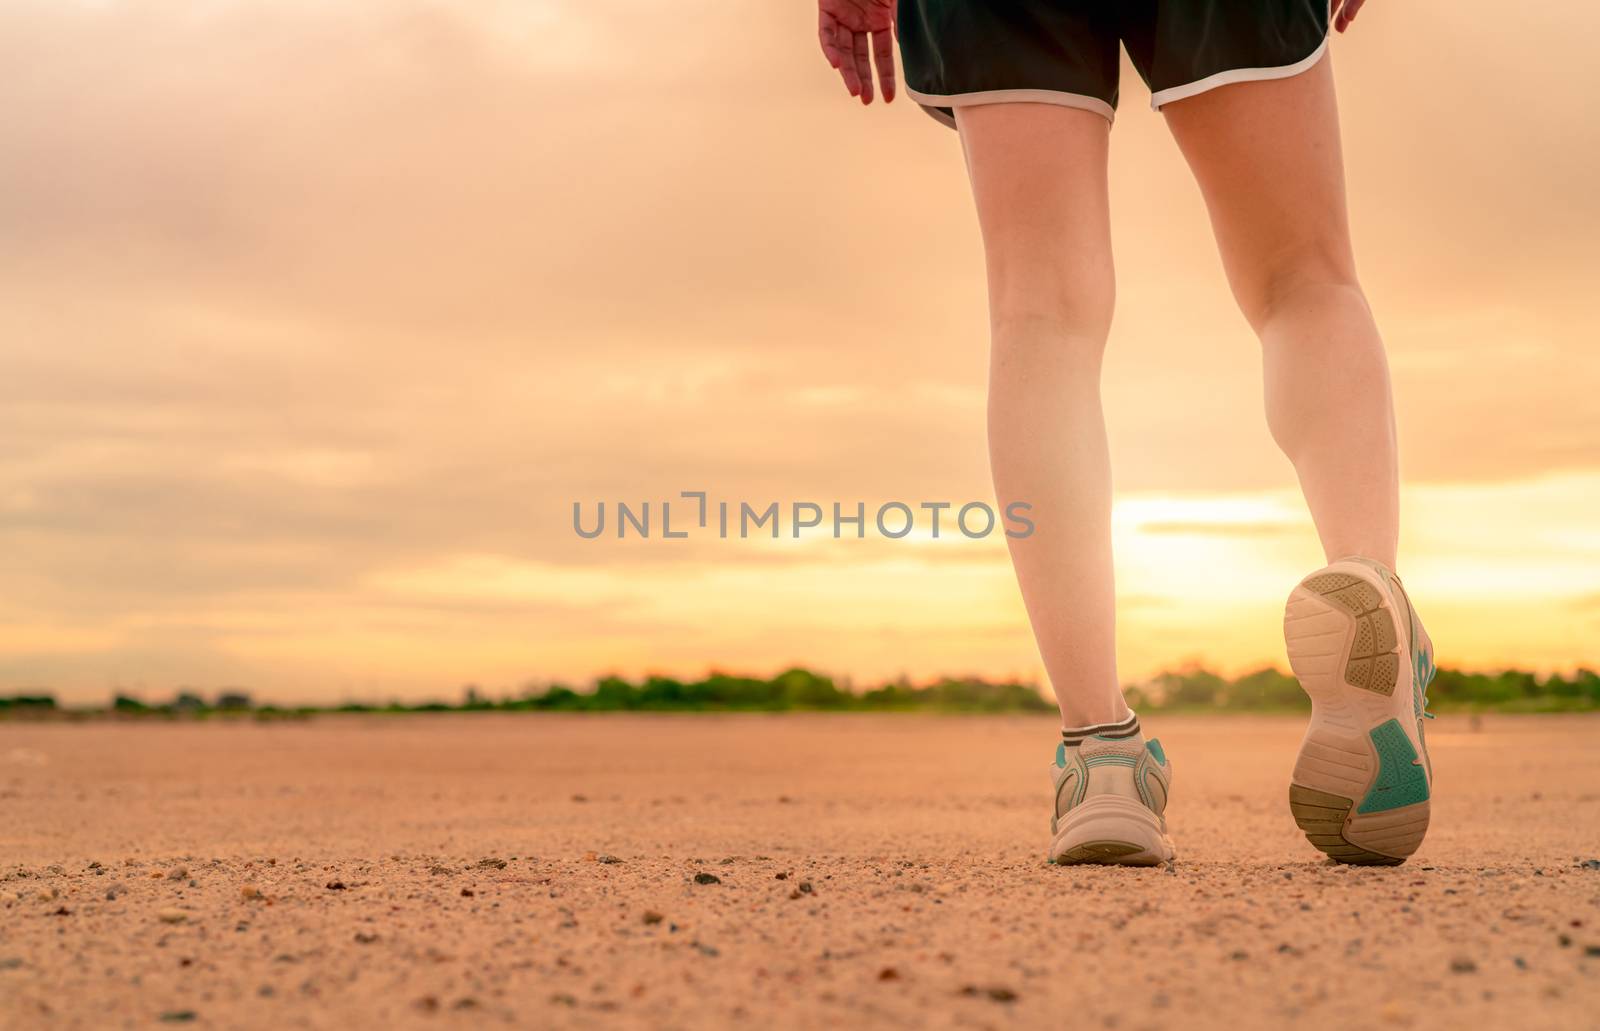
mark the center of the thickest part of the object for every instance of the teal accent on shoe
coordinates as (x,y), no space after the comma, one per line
(1400,781)
(1422,668)
(1061,755)
(1156,750)
(1423,673)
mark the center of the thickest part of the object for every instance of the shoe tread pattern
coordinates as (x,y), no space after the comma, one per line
(1373,663)
(1321,816)
(1116,853)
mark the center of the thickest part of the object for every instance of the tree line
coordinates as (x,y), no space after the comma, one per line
(1189,689)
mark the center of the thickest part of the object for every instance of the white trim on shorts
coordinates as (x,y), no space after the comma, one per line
(1232,75)
(933,101)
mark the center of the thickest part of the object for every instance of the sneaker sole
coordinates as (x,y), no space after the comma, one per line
(1357,790)
(1111,831)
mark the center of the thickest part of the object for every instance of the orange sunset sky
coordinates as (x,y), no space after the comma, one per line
(317,317)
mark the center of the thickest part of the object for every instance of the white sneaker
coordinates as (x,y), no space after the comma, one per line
(1362,783)
(1111,799)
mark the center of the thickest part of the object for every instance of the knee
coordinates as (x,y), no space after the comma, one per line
(1311,276)
(1063,316)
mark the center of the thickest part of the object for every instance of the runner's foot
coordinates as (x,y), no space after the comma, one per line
(1362,784)
(1110,798)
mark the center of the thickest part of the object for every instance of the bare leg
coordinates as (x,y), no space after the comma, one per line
(1267,158)
(1039,178)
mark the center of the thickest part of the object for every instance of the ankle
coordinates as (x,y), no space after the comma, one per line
(1094,712)
(1379,557)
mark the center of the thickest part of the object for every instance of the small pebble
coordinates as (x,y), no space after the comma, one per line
(707,878)
(998,993)
(172,916)
(1463,965)
(652,917)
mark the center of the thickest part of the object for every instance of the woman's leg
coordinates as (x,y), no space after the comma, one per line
(1267,158)
(1039,178)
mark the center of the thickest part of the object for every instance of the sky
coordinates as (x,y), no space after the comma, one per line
(316,318)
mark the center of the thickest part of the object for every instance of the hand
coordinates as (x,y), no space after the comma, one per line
(843,27)
(1344,12)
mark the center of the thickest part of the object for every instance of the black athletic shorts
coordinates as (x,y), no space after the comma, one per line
(961,52)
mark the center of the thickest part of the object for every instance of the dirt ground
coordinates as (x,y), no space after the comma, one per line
(467,870)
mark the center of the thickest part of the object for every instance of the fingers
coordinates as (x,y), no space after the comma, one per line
(845,45)
(838,46)
(854,53)
(1346,13)
(863,65)
(883,56)
(827,35)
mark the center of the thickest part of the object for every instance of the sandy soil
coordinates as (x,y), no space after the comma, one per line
(542,871)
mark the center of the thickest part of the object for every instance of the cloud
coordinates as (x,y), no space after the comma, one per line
(298,295)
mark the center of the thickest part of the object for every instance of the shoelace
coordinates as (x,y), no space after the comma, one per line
(1425,673)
